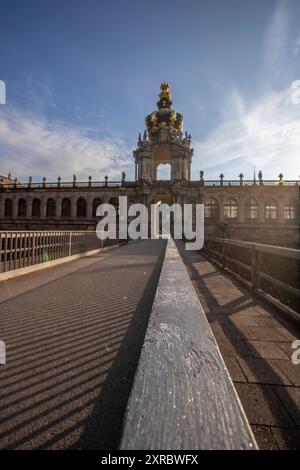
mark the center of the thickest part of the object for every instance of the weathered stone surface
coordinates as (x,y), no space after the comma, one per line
(267,350)
(287,439)
(73,337)
(268,407)
(182,397)
(263,406)
(265,438)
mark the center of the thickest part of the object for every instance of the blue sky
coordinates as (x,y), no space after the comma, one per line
(82,74)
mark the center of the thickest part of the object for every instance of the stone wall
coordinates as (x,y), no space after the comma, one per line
(280,230)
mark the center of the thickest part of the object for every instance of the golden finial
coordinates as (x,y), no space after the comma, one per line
(165,91)
(154,118)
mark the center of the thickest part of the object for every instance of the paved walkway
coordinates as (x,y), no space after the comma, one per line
(256,346)
(73,335)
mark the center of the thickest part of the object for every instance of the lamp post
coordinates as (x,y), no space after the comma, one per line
(224,226)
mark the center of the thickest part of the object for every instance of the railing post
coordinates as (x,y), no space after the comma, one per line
(70,244)
(33,249)
(5,251)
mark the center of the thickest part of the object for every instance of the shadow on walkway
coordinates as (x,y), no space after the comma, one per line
(256,348)
(72,349)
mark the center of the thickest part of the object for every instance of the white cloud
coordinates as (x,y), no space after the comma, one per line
(265,134)
(30,145)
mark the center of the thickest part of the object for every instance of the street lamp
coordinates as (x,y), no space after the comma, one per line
(224,226)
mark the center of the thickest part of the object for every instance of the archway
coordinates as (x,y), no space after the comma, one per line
(36,207)
(161,158)
(163,172)
(157,200)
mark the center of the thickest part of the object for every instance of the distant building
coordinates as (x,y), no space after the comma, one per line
(254,210)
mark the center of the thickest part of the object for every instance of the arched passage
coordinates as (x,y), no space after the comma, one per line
(96,202)
(163,172)
(161,163)
(81,207)
(8,208)
(66,207)
(22,208)
(51,207)
(36,207)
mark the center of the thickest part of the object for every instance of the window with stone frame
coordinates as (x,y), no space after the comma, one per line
(231,208)
(271,210)
(289,210)
(251,209)
(211,208)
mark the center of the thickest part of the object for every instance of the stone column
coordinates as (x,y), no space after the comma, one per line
(221,208)
(58,202)
(15,207)
(280,210)
(241,210)
(89,208)
(43,208)
(73,207)
(29,208)
(2,205)
(260,211)
(139,168)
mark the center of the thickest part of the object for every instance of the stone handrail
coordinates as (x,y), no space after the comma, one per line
(182,396)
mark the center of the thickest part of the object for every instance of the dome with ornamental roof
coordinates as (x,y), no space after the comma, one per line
(165,117)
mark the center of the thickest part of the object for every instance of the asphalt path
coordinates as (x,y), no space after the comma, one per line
(73,335)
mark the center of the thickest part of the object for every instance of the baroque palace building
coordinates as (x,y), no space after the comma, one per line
(253,210)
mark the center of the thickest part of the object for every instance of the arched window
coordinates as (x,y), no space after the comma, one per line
(21,208)
(36,208)
(8,208)
(290,210)
(251,209)
(50,212)
(271,209)
(211,208)
(66,207)
(231,208)
(115,202)
(96,202)
(81,207)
